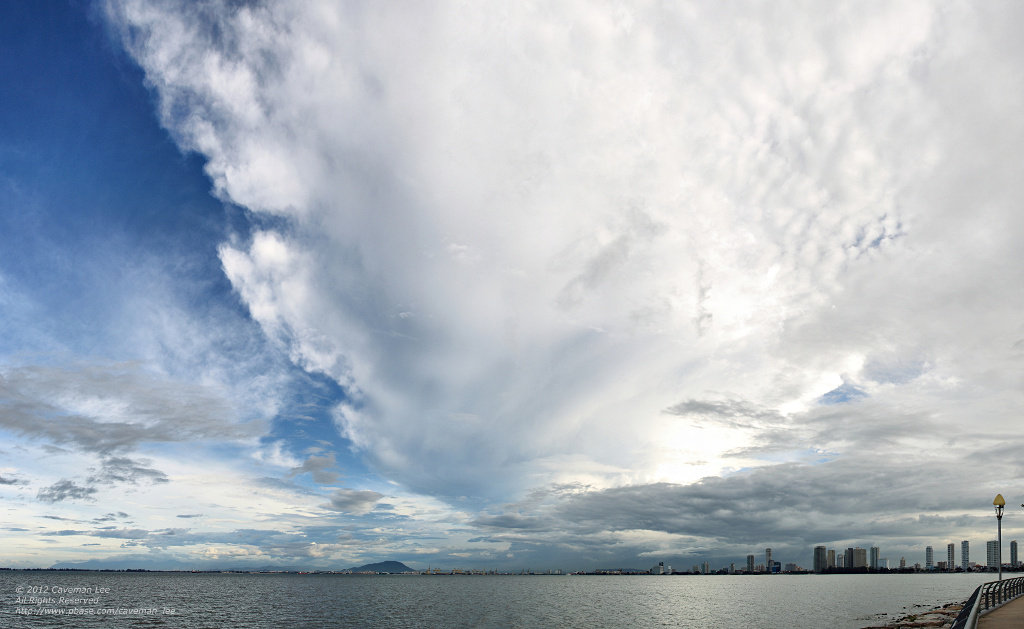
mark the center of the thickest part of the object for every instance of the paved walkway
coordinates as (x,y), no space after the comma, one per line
(1007,616)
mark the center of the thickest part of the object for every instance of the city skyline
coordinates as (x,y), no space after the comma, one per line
(328,283)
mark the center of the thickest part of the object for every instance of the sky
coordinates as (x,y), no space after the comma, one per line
(507,285)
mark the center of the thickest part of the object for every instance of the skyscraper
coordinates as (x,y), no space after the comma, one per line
(831,559)
(768,560)
(965,555)
(860,558)
(950,559)
(992,558)
(750,564)
(848,561)
(1013,553)
(873,561)
(820,559)
(929,558)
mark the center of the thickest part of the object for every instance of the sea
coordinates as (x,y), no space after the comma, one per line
(275,600)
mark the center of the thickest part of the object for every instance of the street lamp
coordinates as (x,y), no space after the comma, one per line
(999,504)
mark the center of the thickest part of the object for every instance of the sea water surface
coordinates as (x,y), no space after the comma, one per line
(161,599)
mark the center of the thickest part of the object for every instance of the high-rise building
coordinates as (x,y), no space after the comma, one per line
(831,559)
(750,564)
(860,558)
(768,559)
(849,558)
(992,558)
(965,555)
(950,559)
(873,560)
(841,560)
(929,558)
(903,563)
(820,559)
(1013,554)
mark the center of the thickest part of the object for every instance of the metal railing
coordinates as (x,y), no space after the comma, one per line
(987,597)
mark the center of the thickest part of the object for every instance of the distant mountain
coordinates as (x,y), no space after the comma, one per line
(384,566)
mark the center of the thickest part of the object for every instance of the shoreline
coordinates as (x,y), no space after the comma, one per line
(940,617)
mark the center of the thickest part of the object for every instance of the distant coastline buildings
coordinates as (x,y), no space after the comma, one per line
(853,559)
(820,559)
(857,559)
(992,558)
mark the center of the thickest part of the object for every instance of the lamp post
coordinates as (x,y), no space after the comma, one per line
(999,504)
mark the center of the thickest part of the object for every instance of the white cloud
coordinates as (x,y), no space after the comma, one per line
(517,237)
(113,408)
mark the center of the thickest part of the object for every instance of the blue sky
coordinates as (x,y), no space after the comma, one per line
(325,283)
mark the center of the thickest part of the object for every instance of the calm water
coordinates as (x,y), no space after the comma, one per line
(272,601)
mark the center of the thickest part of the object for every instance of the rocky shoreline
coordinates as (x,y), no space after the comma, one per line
(938,617)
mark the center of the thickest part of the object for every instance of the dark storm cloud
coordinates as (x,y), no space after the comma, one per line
(65,489)
(125,470)
(111,533)
(111,516)
(799,504)
(353,501)
(728,413)
(277,484)
(319,467)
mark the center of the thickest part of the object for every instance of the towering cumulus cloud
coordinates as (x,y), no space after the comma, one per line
(603,245)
